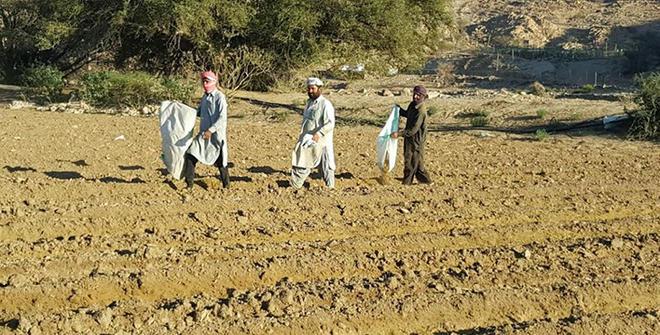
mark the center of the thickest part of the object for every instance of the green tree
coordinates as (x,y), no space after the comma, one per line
(264,39)
(62,33)
(646,120)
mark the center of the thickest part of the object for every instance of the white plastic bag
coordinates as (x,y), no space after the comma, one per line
(177,122)
(385,144)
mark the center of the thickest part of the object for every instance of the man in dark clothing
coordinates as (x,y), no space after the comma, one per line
(414,138)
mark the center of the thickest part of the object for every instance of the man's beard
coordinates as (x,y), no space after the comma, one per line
(314,96)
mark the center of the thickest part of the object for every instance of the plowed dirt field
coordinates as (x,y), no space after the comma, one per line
(516,235)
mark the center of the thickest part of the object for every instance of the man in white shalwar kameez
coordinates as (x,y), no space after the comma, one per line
(315,144)
(210,145)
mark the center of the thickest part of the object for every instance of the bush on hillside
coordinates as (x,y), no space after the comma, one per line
(132,89)
(541,113)
(646,120)
(245,68)
(586,88)
(178,89)
(479,121)
(179,37)
(45,80)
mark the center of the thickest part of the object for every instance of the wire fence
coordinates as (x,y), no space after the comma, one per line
(555,53)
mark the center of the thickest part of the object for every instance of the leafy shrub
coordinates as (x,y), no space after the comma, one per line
(175,37)
(541,134)
(259,43)
(245,68)
(177,89)
(44,79)
(96,88)
(646,120)
(479,121)
(132,89)
(586,88)
(541,113)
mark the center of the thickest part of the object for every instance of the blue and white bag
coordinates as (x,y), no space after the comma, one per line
(385,144)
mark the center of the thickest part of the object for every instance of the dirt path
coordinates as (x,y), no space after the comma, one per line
(516,236)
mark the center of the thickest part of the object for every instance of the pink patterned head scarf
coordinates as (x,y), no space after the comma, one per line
(209,81)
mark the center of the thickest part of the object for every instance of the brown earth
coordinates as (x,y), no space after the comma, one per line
(556,42)
(558,23)
(517,235)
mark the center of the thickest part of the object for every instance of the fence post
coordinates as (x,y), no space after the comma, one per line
(595,79)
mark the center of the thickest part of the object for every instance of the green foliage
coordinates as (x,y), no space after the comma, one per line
(269,38)
(541,113)
(96,88)
(586,88)
(479,121)
(132,89)
(247,68)
(43,79)
(178,89)
(541,134)
(372,32)
(61,33)
(646,121)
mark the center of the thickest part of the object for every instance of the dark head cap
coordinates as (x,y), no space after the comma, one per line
(420,90)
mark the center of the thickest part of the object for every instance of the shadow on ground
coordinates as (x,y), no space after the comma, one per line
(266,170)
(73,175)
(591,127)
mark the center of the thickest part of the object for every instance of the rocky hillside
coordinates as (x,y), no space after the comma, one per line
(562,43)
(558,23)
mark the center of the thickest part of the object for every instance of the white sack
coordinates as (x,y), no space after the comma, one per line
(385,144)
(177,122)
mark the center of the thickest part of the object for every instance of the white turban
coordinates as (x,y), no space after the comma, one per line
(313,81)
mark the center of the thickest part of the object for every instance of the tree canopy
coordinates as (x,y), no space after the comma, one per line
(175,36)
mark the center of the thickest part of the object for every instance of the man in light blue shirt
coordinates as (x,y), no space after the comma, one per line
(210,145)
